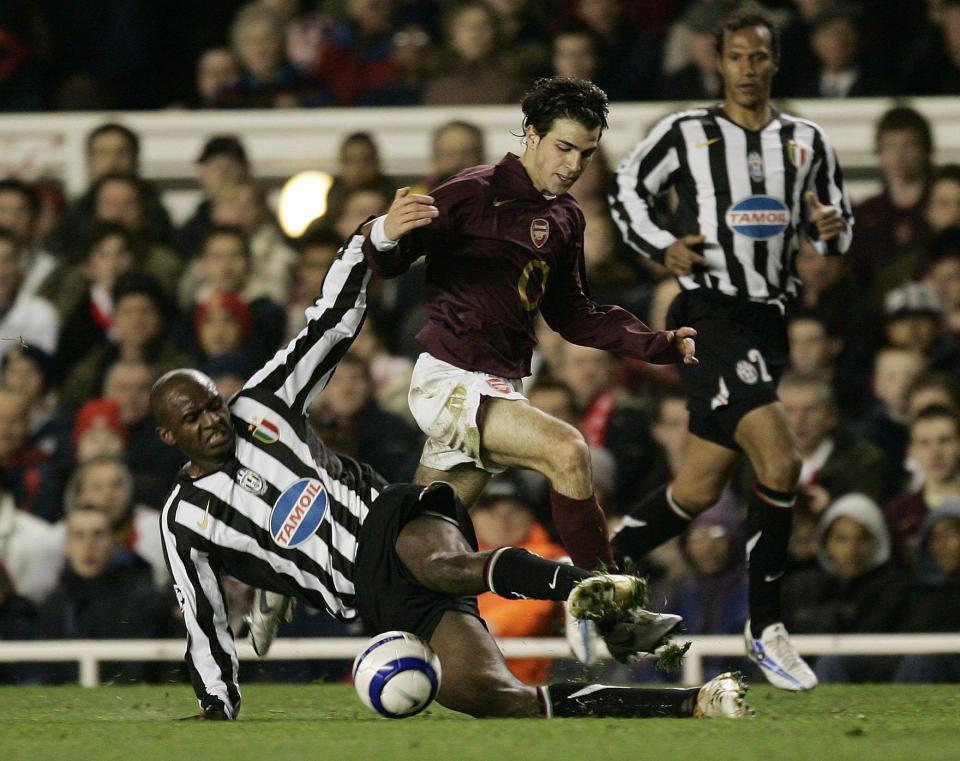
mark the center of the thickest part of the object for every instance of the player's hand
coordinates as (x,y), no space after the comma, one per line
(826,218)
(681,258)
(408,212)
(684,345)
(206,716)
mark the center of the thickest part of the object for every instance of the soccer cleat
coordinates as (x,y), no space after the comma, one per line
(640,631)
(778,659)
(265,616)
(582,636)
(606,596)
(723,697)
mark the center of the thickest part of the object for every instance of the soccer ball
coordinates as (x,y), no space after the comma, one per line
(396,674)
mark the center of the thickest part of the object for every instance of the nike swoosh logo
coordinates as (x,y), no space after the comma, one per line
(705,143)
(772,576)
(556,572)
(498,202)
(204,523)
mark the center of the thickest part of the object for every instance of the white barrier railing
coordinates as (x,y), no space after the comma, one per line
(89,653)
(282,142)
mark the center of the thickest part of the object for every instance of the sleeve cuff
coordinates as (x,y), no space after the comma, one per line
(379,238)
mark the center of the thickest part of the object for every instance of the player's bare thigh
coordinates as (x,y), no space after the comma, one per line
(476,679)
(514,433)
(767,440)
(703,474)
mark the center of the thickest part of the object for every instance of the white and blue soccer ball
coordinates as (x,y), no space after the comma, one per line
(396,674)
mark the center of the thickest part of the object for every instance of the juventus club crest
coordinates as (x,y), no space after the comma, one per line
(539,232)
(251,481)
(797,153)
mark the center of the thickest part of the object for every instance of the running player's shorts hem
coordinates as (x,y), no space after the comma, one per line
(743,350)
(388,597)
(445,401)
(720,426)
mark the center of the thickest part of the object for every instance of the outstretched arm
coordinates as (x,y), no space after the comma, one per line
(569,310)
(298,372)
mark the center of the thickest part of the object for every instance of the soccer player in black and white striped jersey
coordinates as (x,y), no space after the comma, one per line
(264,501)
(750,181)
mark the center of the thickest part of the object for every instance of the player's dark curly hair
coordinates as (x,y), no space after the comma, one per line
(745,20)
(551,98)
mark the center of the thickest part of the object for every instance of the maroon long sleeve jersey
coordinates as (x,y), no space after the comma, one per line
(498,252)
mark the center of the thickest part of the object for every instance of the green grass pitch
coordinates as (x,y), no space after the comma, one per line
(869,723)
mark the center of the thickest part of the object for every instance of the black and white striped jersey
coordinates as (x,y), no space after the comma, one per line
(743,190)
(285,512)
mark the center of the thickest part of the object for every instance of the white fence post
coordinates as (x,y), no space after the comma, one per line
(692,667)
(89,669)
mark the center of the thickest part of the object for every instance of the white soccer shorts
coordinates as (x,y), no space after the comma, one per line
(444,401)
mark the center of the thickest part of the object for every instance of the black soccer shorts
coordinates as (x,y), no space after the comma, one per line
(743,350)
(388,597)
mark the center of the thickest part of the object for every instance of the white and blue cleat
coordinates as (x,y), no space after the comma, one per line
(778,659)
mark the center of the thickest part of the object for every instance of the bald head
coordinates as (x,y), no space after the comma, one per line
(173,384)
(192,416)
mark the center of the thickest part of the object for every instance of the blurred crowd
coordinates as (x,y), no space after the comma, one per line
(134,54)
(101,293)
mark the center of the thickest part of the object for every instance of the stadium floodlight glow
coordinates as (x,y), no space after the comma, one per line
(302,200)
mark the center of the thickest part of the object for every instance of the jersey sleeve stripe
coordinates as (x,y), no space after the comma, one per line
(212,666)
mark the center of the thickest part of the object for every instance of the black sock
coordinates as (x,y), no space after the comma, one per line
(516,574)
(772,512)
(573,700)
(654,521)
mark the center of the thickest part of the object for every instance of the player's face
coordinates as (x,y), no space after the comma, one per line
(747,66)
(555,160)
(198,421)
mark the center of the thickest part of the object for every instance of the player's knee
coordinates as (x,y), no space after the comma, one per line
(572,453)
(782,472)
(694,498)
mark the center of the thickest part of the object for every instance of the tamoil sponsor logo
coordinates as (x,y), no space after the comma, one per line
(298,512)
(758,217)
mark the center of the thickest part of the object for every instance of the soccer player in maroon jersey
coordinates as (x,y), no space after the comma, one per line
(503,242)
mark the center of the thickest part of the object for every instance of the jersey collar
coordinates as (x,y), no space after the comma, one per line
(512,178)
